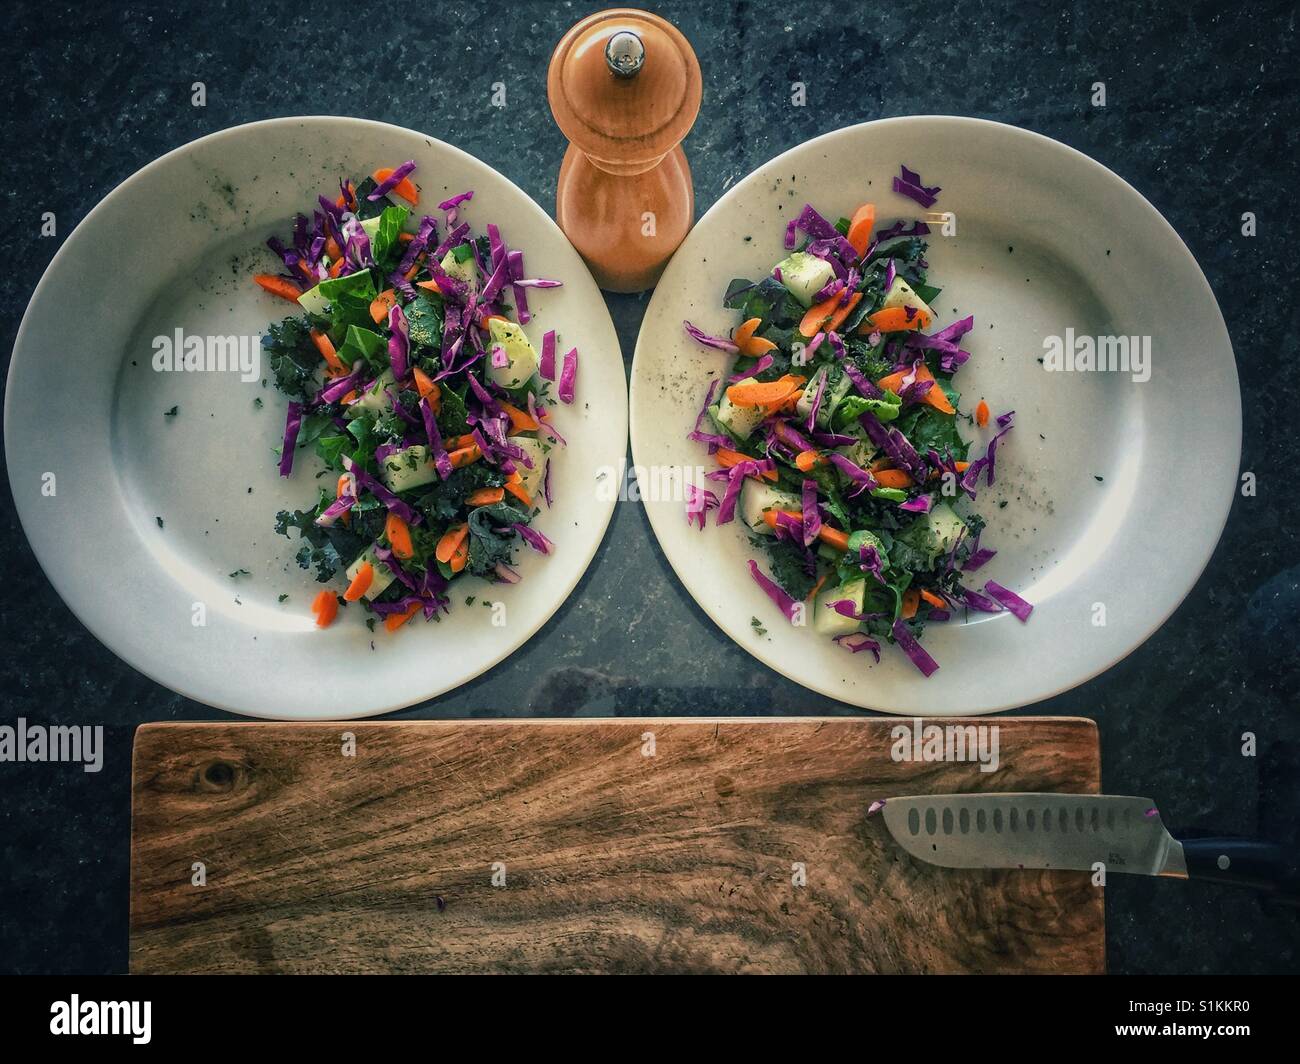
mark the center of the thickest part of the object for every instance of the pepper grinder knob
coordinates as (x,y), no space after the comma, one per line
(625,53)
(624,86)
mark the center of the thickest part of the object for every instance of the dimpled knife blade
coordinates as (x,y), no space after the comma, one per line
(1072,831)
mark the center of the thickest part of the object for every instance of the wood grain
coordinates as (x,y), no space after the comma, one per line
(614,861)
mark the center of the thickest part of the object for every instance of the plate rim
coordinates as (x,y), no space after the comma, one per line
(106,636)
(656,514)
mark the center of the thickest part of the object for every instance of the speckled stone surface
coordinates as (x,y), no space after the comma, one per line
(1201,117)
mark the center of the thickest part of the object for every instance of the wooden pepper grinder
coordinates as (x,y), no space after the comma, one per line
(624,87)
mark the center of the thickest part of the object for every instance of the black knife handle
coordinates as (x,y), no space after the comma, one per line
(1244,863)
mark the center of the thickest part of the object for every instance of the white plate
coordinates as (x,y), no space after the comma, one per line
(175,247)
(1089,254)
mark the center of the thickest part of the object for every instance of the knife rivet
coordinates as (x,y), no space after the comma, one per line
(1223,862)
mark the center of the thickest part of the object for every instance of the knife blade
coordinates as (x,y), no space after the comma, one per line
(1068,831)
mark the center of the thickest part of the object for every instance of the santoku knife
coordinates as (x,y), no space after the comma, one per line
(1077,831)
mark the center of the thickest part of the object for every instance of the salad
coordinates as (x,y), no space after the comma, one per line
(409,373)
(838,436)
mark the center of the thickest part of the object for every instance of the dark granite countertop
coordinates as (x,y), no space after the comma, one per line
(1201,117)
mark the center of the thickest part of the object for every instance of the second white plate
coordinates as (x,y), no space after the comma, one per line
(1111,493)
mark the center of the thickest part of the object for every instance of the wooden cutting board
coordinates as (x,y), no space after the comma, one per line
(654,845)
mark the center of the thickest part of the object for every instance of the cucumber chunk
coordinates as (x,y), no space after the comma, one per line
(804,275)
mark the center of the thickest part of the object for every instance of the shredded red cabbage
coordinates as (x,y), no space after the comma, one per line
(546,366)
(292,423)
(568,376)
(909,185)
(915,652)
(392,180)
(1010,600)
(784,602)
(716,342)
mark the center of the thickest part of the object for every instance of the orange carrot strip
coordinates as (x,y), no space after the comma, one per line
(404,188)
(834,537)
(806,460)
(934,600)
(982,414)
(405,238)
(748,343)
(911,599)
(332,249)
(893,478)
(460,557)
(463,456)
(326,349)
(768,394)
(769,516)
(515,485)
(336,267)
(427,388)
(935,396)
(461,441)
(520,420)
(326,608)
(828,315)
(360,583)
(485,496)
(895,319)
(451,539)
(431,286)
(817,587)
(278,286)
(728,459)
(864,220)
(395,621)
(381,304)
(399,537)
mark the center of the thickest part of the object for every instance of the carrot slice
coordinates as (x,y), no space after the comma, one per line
(460,557)
(463,456)
(806,460)
(336,267)
(934,600)
(485,496)
(427,388)
(895,319)
(893,478)
(832,537)
(515,485)
(828,315)
(404,188)
(767,394)
(729,459)
(395,621)
(911,599)
(748,343)
(399,537)
(935,396)
(380,305)
(816,587)
(326,608)
(450,542)
(360,583)
(332,249)
(864,220)
(405,238)
(982,414)
(327,352)
(278,286)
(431,286)
(520,420)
